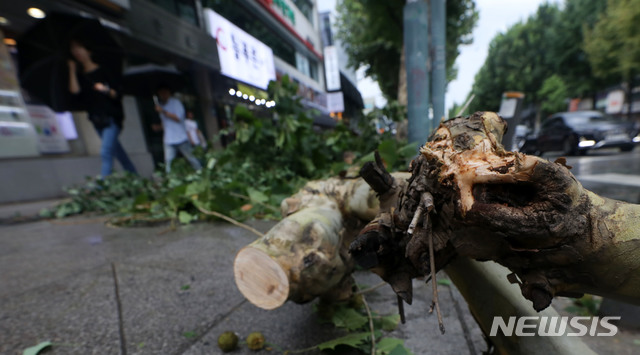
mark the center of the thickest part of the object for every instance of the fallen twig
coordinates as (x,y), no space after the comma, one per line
(231,220)
(434,283)
(372,288)
(371,328)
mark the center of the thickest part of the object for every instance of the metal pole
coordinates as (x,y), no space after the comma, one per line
(438,73)
(416,42)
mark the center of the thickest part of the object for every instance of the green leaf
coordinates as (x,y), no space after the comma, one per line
(352,340)
(408,151)
(211,163)
(196,187)
(400,350)
(185,217)
(185,287)
(386,345)
(388,323)
(366,158)
(444,282)
(308,164)
(388,151)
(34,350)
(257,196)
(348,318)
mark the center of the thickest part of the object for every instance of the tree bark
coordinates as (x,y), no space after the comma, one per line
(488,296)
(306,254)
(526,213)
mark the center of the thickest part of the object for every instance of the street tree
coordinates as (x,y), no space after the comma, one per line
(571,61)
(542,56)
(520,59)
(371,32)
(554,94)
(613,46)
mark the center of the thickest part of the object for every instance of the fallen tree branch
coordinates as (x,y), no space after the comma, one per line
(306,254)
(526,213)
(230,220)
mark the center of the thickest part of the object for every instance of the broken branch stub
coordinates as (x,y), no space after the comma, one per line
(526,213)
(305,255)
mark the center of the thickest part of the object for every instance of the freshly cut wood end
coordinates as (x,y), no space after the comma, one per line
(260,278)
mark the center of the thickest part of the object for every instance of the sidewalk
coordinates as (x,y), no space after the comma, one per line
(176,292)
(93,289)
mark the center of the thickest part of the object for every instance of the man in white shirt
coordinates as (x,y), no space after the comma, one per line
(175,137)
(195,135)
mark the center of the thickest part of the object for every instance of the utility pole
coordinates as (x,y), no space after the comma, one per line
(439,69)
(416,43)
(425,61)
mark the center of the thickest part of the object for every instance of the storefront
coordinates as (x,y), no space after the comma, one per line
(42,151)
(63,148)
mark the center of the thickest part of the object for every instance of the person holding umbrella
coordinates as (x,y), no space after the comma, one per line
(172,114)
(96,90)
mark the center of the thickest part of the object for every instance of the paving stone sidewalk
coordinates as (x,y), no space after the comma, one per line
(94,289)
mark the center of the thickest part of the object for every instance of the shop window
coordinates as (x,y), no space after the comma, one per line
(302,64)
(306,7)
(313,70)
(306,66)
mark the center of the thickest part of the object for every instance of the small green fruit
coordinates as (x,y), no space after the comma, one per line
(255,341)
(227,341)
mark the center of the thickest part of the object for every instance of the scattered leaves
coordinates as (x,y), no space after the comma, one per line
(388,346)
(349,319)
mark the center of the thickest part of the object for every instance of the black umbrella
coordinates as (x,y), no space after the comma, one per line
(43,52)
(143,80)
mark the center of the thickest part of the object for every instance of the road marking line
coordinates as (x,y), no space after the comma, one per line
(612,178)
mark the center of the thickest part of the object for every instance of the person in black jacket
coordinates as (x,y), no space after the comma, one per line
(99,94)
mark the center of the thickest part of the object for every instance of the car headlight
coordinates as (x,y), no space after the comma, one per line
(585,143)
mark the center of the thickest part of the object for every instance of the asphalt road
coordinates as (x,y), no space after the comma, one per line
(607,172)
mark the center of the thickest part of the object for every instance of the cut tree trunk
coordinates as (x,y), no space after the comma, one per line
(306,254)
(471,198)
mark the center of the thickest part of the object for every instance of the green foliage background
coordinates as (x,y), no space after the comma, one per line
(555,54)
(269,160)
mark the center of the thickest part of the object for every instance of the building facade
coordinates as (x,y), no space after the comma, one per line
(176,32)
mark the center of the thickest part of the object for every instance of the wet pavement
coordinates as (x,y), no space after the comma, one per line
(94,289)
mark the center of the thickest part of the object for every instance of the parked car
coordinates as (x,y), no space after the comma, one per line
(580,131)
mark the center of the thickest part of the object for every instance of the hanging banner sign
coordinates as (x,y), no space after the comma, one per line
(335,101)
(331,68)
(242,57)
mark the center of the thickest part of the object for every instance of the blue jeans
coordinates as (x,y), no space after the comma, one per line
(185,148)
(111,148)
